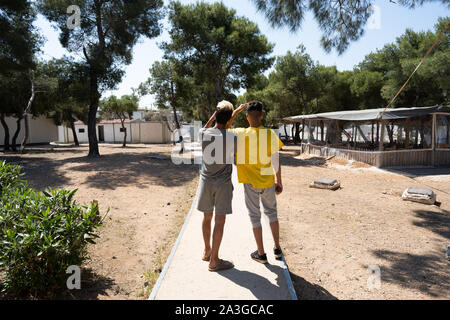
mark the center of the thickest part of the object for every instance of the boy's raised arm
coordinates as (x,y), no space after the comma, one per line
(235,113)
(210,121)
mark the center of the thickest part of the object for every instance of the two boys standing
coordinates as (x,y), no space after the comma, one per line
(255,152)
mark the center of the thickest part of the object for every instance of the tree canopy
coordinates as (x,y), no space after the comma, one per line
(172,90)
(341,21)
(298,85)
(219,50)
(107,34)
(119,108)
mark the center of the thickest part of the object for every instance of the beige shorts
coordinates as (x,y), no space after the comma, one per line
(215,196)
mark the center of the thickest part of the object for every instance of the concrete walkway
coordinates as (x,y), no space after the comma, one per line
(186,276)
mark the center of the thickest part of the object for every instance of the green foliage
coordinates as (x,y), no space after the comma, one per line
(341,21)
(41,234)
(395,62)
(298,85)
(69,101)
(172,90)
(107,34)
(118,108)
(19,41)
(218,50)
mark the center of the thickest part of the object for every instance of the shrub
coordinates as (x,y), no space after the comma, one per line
(41,234)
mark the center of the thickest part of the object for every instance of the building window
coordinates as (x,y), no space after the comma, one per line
(81,130)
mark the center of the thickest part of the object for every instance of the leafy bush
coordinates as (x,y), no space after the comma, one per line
(41,234)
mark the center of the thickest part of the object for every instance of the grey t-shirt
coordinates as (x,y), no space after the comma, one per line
(218,149)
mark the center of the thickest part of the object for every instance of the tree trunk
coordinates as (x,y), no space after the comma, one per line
(16,134)
(218,91)
(285,132)
(390,130)
(6,129)
(92,116)
(175,116)
(26,114)
(124,134)
(74,133)
(297,132)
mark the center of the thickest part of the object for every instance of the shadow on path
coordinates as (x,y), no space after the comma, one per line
(261,288)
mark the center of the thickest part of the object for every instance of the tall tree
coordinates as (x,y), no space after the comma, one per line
(107,34)
(18,44)
(227,51)
(123,108)
(70,102)
(396,61)
(341,21)
(172,90)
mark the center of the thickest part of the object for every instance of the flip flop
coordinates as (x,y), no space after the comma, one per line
(206,258)
(223,265)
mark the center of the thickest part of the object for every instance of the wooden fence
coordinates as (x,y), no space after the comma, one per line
(397,158)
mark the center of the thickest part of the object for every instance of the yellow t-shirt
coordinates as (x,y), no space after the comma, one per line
(255,148)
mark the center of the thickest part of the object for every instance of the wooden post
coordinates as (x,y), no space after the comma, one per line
(371,133)
(309,132)
(303,130)
(381,137)
(433,140)
(378,132)
(322,133)
(407,127)
(416,137)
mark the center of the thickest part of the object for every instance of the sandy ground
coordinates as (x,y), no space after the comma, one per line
(147,199)
(331,237)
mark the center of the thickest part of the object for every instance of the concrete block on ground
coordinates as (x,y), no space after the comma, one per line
(325,183)
(426,196)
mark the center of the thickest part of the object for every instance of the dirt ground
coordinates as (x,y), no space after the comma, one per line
(331,237)
(147,198)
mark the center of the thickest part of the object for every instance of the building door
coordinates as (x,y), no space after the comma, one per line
(101,134)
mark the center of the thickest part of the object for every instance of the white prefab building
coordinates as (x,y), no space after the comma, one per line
(42,130)
(110,131)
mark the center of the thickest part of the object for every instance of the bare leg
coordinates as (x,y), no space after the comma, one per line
(206,229)
(275,227)
(219,224)
(257,232)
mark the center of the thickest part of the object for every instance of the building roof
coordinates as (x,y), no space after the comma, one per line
(371,114)
(110,121)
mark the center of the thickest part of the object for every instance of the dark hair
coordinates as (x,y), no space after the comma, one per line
(254,107)
(223,115)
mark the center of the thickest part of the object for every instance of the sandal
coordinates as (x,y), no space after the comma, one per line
(223,265)
(206,258)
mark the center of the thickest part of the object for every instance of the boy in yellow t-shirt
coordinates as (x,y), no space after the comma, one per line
(256,161)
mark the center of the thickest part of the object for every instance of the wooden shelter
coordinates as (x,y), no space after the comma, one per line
(380,137)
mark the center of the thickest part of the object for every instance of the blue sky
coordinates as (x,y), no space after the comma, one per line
(391,22)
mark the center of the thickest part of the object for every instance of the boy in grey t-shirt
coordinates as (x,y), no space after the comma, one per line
(216,189)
